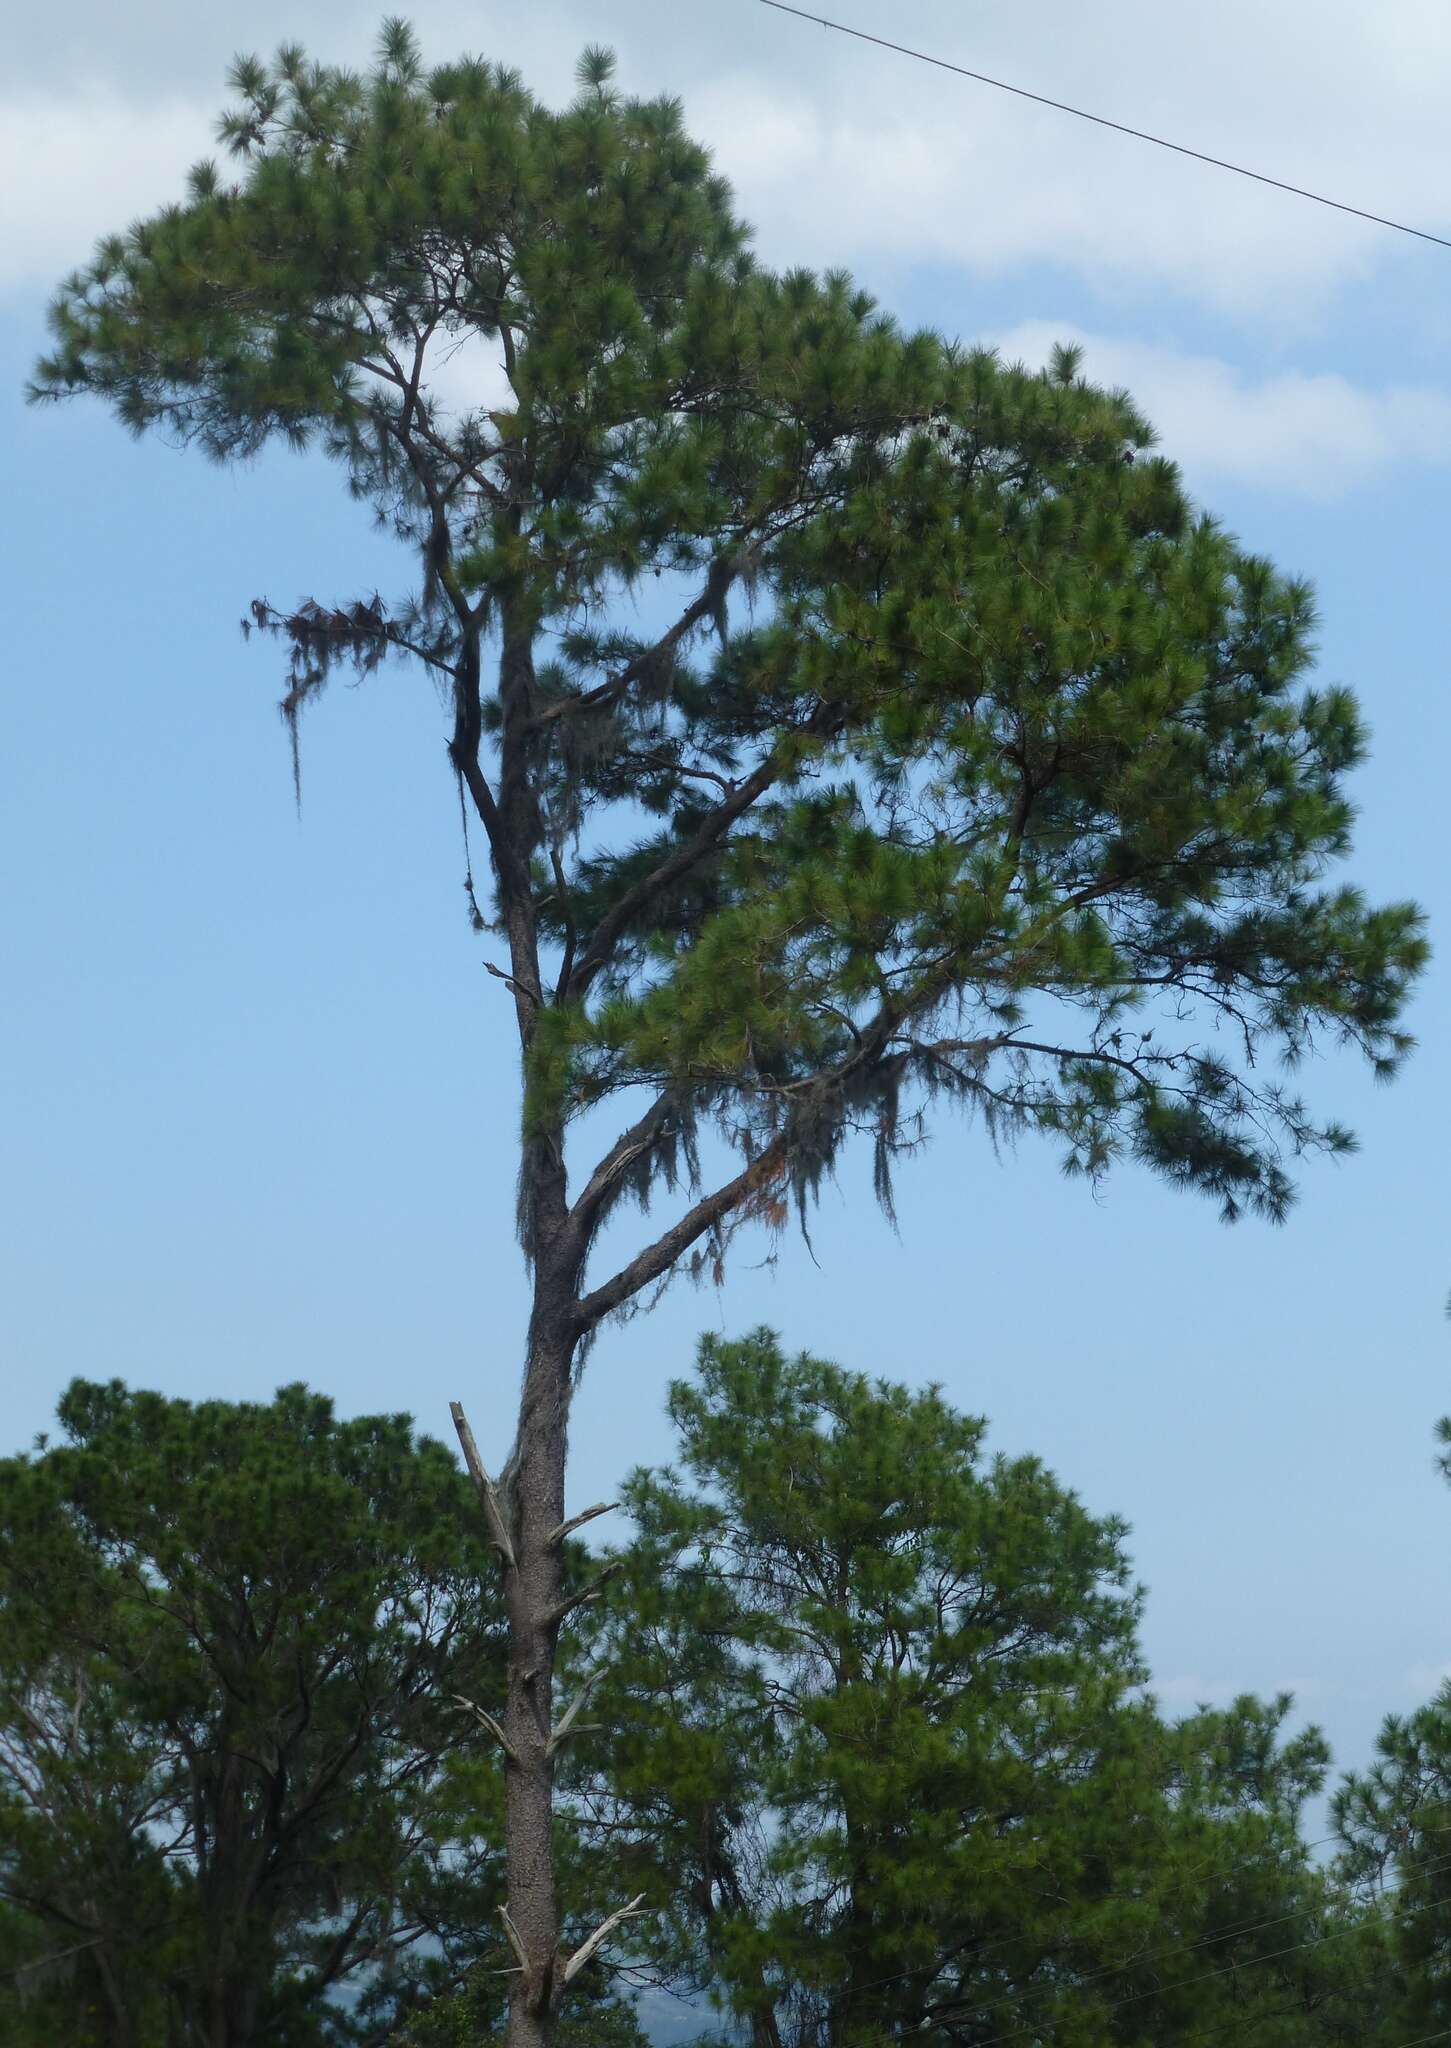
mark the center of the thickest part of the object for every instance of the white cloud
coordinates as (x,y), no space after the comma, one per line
(1316,435)
(846,153)
(1338,97)
(74,170)
(995,189)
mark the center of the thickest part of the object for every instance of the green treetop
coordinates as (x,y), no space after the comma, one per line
(876,1747)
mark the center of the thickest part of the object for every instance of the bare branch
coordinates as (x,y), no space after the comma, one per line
(487,1720)
(659,1257)
(601,1507)
(516,988)
(629,1146)
(563,1729)
(601,1934)
(516,1941)
(585,1597)
(493,1513)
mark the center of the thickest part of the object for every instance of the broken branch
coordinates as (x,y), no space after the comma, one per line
(495,1728)
(493,1513)
(516,1941)
(565,1726)
(601,1507)
(602,1933)
(584,1597)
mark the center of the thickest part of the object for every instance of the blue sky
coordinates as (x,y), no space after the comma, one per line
(259,1087)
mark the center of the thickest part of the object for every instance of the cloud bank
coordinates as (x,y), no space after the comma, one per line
(1316,436)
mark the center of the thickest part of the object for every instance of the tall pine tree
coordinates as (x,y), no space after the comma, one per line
(961,760)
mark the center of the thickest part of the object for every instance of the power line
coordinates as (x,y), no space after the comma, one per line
(1021,92)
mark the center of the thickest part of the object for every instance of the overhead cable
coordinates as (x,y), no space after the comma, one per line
(1041,99)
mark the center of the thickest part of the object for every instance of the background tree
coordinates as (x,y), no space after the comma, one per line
(1395,1822)
(876,1747)
(229,1636)
(1003,788)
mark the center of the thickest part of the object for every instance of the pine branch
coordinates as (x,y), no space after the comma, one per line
(658,1258)
(698,847)
(722,573)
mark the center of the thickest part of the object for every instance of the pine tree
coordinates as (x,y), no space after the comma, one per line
(875,1744)
(235,1795)
(1394,1820)
(855,724)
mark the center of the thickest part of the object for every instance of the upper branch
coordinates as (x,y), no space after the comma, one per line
(722,573)
(712,828)
(645,1133)
(658,1258)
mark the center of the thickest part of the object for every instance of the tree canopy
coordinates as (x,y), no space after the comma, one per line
(1008,732)
(877,1747)
(872,1742)
(1395,1822)
(233,1803)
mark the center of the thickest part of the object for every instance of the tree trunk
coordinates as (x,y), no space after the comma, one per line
(535,1509)
(118,2030)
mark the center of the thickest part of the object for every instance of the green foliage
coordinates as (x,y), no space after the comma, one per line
(1395,1823)
(874,1742)
(1008,789)
(232,1784)
(879,1754)
(469,2018)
